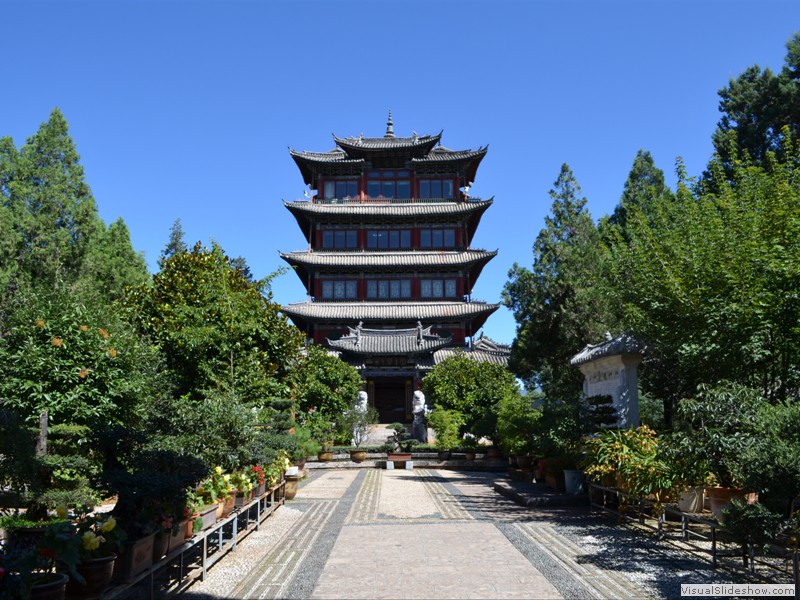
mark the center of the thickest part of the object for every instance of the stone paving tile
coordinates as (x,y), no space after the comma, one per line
(330,485)
(448,555)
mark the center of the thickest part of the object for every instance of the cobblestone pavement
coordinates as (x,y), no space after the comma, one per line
(371,533)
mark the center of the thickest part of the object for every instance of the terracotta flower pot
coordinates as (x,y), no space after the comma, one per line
(97,572)
(51,589)
(358,456)
(719,498)
(325,456)
(160,545)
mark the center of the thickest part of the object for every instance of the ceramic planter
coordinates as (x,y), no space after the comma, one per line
(358,456)
(291,486)
(720,497)
(136,558)
(325,456)
(51,589)
(177,536)
(692,499)
(209,515)
(573,481)
(97,572)
(160,545)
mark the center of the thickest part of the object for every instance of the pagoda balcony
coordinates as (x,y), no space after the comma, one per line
(359,200)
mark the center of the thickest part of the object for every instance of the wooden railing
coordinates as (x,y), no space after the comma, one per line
(191,561)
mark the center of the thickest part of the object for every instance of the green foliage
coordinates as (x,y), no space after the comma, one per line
(400,440)
(354,425)
(219,429)
(722,422)
(751,525)
(216,329)
(447,426)
(50,206)
(518,424)
(562,303)
(111,265)
(326,383)
(630,459)
(147,482)
(78,361)
(472,388)
(760,109)
(601,412)
(770,465)
(708,281)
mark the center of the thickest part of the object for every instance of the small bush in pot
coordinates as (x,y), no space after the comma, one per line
(446,423)
(400,441)
(752,526)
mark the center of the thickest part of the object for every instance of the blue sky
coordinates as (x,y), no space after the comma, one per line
(185,109)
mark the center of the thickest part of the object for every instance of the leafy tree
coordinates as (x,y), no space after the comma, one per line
(79,361)
(216,329)
(326,383)
(471,387)
(709,280)
(757,106)
(562,303)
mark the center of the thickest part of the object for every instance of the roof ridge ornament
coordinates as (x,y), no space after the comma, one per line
(389,126)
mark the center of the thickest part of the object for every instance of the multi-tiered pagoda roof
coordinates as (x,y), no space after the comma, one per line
(390,268)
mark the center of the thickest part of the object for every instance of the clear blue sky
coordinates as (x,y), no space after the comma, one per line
(186,108)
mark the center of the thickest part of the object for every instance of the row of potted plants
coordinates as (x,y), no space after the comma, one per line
(91,547)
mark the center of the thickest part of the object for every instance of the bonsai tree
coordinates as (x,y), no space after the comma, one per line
(446,424)
(400,440)
(602,413)
(752,526)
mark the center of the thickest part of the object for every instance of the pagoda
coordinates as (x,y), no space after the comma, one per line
(389,268)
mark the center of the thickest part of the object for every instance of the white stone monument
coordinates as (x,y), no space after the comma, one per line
(609,369)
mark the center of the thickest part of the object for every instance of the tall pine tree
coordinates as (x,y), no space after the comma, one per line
(561,303)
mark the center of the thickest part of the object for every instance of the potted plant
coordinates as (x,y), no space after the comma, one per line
(354,425)
(723,423)
(399,444)
(100,540)
(446,423)
(243,488)
(469,444)
(517,424)
(752,526)
(689,471)
(29,570)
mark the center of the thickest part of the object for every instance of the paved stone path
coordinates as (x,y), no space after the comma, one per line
(371,533)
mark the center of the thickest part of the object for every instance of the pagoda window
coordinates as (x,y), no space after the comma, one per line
(340,238)
(386,289)
(437,238)
(435,188)
(389,184)
(389,238)
(438,288)
(339,289)
(340,189)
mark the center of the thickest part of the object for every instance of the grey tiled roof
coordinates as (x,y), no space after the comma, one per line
(388,311)
(387,143)
(483,350)
(622,345)
(445,155)
(418,340)
(410,259)
(381,210)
